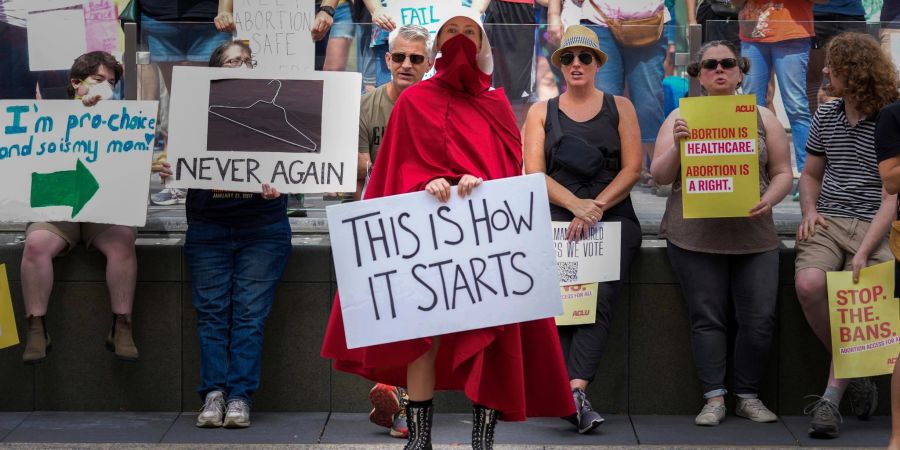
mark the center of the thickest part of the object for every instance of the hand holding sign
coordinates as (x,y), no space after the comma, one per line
(441,267)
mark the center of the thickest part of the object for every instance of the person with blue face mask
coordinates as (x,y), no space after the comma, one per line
(93,78)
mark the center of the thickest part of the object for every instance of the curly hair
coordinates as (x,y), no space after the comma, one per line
(869,77)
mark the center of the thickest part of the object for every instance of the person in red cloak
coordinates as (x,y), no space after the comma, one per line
(452,129)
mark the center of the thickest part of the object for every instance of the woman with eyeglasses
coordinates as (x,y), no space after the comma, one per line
(588,144)
(465,133)
(237,245)
(726,263)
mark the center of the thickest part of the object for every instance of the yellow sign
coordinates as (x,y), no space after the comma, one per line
(579,304)
(720,160)
(864,321)
(9,336)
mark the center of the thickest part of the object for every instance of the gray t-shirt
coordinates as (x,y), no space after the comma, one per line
(374,112)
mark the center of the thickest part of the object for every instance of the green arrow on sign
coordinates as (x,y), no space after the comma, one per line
(64,188)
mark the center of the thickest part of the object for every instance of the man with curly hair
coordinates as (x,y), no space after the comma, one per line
(846,211)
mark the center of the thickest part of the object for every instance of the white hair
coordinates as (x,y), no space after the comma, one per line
(411,33)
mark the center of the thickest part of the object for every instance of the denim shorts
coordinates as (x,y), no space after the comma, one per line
(181,41)
(343,23)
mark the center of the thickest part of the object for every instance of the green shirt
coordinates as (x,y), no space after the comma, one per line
(374,111)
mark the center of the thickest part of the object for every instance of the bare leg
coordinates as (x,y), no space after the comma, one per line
(578,383)
(336,55)
(420,374)
(117,244)
(41,247)
(813,295)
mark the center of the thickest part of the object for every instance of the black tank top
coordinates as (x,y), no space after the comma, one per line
(603,131)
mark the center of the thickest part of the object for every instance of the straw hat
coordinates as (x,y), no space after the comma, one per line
(579,36)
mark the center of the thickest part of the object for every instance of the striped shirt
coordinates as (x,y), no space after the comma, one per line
(851,186)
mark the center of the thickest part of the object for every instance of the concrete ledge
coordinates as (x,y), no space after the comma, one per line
(648,368)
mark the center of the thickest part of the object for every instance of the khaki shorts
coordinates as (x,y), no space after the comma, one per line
(72,232)
(833,248)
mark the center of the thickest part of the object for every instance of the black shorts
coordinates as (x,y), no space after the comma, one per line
(510,28)
(830,25)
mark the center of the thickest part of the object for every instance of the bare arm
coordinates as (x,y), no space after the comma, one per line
(534,163)
(630,137)
(890,174)
(554,20)
(878,229)
(691,7)
(224,21)
(480,5)
(778,166)
(810,187)
(380,16)
(323,21)
(667,151)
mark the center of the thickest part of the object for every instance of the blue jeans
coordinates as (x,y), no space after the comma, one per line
(789,60)
(234,275)
(178,42)
(365,57)
(641,68)
(382,71)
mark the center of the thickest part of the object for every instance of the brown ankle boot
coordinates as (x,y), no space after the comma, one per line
(119,339)
(37,343)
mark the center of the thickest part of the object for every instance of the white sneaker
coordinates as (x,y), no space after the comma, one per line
(753,409)
(238,414)
(710,415)
(212,411)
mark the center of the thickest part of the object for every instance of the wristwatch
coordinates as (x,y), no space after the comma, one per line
(327,10)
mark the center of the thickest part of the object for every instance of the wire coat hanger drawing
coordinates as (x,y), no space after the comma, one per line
(311,146)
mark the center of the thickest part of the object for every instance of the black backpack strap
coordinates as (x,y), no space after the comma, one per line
(555,133)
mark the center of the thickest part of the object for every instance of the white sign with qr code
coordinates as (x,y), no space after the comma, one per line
(593,259)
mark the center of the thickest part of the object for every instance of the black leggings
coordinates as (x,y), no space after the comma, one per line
(583,345)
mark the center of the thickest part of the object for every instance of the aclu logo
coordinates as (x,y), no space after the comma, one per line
(745,108)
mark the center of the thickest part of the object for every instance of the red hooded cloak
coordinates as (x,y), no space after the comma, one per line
(449,126)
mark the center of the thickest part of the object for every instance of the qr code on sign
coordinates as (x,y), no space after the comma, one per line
(568,271)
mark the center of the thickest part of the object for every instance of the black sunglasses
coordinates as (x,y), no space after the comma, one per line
(568,58)
(711,64)
(413,58)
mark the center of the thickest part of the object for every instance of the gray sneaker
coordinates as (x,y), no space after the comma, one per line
(825,419)
(237,415)
(212,411)
(169,196)
(753,409)
(863,396)
(711,415)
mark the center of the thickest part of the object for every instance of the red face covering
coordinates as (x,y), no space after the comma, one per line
(448,126)
(458,67)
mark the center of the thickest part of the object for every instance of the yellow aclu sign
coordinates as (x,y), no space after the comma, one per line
(9,336)
(720,158)
(579,304)
(864,321)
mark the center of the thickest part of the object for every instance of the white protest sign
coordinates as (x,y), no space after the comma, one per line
(236,129)
(429,14)
(409,266)
(56,34)
(278,32)
(62,161)
(589,260)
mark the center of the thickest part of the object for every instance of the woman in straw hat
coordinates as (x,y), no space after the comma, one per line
(717,273)
(464,133)
(588,144)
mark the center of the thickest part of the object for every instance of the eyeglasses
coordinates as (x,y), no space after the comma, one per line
(413,58)
(237,62)
(711,64)
(584,57)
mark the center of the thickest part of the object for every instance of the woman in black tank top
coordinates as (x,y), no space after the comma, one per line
(588,144)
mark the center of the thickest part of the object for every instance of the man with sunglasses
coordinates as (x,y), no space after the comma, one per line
(408,60)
